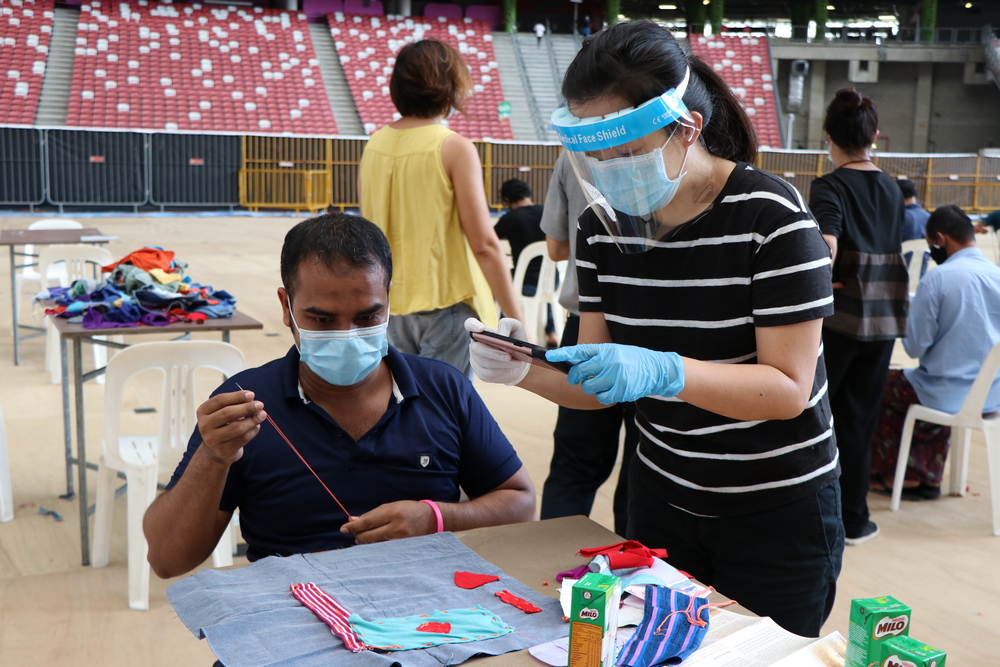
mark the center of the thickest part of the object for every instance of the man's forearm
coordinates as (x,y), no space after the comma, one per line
(182,526)
(496,508)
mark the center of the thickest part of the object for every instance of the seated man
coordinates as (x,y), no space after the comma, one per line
(395,437)
(914,215)
(953,323)
(521,226)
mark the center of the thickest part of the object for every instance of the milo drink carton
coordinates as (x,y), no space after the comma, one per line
(593,623)
(908,652)
(874,621)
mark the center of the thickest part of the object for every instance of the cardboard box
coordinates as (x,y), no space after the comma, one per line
(874,621)
(593,620)
(909,652)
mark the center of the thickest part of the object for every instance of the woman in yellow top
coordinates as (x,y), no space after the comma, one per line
(423,185)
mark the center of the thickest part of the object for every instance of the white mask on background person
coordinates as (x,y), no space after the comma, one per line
(342,357)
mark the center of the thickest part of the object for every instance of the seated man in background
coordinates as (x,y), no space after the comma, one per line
(914,215)
(953,323)
(521,226)
(394,437)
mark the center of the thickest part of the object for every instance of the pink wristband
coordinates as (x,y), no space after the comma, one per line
(437,514)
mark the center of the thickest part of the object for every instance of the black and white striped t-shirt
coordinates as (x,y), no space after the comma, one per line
(755,259)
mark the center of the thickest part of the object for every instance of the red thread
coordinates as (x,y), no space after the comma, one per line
(318,479)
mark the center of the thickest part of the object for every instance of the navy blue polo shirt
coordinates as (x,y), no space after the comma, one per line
(435,436)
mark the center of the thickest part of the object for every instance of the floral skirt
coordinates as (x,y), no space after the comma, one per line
(929,448)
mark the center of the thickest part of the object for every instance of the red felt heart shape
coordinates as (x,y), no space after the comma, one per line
(434,626)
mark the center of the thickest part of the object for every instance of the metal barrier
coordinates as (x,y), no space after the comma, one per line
(968,180)
(21,167)
(297,189)
(285,172)
(194,170)
(274,168)
(102,168)
(87,168)
(532,163)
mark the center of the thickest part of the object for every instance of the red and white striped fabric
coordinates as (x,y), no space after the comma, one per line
(330,612)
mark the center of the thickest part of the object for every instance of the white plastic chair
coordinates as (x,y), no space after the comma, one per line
(970,416)
(143,458)
(77,262)
(29,278)
(534,307)
(918,250)
(6,496)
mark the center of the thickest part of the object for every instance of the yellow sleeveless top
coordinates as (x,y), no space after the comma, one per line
(406,192)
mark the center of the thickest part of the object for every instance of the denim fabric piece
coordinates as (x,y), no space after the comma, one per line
(251,619)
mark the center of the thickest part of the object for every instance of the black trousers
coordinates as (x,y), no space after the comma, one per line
(585,449)
(856,372)
(782,562)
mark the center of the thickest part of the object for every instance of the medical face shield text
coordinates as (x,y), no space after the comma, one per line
(624,189)
(343,357)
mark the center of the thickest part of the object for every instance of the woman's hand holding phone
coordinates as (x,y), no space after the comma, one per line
(492,364)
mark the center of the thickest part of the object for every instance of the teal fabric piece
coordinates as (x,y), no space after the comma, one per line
(402,634)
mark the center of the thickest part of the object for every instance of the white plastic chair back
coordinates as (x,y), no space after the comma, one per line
(547,293)
(918,250)
(29,276)
(6,496)
(77,261)
(989,245)
(143,458)
(969,417)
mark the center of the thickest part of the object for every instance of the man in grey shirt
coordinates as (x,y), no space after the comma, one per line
(586,441)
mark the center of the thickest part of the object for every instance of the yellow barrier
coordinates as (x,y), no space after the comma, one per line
(969,181)
(296,189)
(274,169)
(312,174)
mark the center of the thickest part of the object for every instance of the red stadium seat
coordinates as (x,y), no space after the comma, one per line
(25,31)
(195,67)
(367,46)
(744,63)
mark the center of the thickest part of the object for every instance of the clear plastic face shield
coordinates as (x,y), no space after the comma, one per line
(630,163)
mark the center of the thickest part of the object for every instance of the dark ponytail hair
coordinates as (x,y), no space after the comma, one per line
(639,60)
(851,120)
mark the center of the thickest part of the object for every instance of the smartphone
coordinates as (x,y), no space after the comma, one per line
(519,349)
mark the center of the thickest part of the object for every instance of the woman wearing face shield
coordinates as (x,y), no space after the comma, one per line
(703,286)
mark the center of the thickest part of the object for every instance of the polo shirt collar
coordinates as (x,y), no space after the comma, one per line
(404,385)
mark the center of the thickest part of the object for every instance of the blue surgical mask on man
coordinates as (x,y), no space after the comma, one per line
(343,357)
(636,185)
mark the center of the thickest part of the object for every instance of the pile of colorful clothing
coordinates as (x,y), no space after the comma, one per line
(147,287)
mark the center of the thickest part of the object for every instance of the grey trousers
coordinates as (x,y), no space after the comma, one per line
(439,334)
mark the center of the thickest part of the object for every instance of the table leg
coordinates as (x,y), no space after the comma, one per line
(225,336)
(81,452)
(67,426)
(14,296)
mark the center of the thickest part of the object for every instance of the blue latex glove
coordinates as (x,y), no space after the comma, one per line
(616,373)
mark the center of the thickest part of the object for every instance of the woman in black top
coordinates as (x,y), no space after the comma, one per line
(859,209)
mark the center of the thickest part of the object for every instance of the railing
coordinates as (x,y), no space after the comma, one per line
(967,180)
(880,35)
(541,127)
(62,166)
(550,50)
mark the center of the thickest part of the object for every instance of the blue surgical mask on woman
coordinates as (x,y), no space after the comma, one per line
(343,357)
(637,185)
